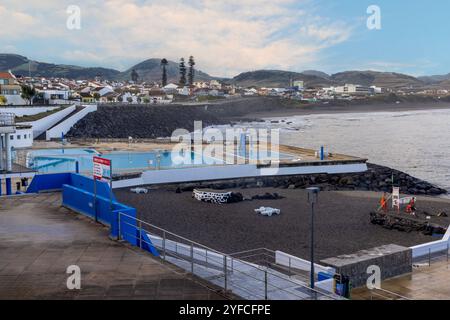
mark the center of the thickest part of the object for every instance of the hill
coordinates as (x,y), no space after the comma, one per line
(380,79)
(21,65)
(277,78)
(150,70)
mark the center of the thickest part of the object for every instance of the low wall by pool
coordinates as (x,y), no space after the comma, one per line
(210,173)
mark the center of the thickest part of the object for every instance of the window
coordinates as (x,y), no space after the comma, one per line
(11,137)
(18,137)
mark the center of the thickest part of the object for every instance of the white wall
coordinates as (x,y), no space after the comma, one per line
(67,124)
(230,172)
(432,247)
(42,125)
(14,99)
(26,111)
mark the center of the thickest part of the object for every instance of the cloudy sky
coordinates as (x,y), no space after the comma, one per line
(232,36)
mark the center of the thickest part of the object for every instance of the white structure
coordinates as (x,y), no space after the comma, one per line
(353,89)
(22,137)
(232,172)
(56,96)
(27,111)
(67,124)
(42,125)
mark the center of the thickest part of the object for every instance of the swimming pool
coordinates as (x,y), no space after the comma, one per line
(58,160)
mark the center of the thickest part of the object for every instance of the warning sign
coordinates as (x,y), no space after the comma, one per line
(102,168)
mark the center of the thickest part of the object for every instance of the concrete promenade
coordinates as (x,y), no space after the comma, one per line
(39,239)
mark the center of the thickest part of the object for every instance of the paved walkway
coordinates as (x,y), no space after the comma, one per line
(425,283)
(39,239)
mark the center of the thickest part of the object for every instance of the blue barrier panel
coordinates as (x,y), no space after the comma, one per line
(87,184)
(47,182)
(78,195)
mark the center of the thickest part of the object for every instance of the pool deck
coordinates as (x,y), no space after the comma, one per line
(39,239)
(427,282)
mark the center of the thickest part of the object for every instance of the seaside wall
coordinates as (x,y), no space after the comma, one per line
(211,173)
(423,250)
(67,124)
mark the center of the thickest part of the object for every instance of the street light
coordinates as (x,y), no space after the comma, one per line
(313,198)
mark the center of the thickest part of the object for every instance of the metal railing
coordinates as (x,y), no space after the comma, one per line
(441,256)
(242,278)
(267,258)
(383,294)
(7,119)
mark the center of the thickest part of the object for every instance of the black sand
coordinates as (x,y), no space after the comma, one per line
(342,221)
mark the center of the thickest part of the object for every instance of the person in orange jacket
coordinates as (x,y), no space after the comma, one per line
(384,203)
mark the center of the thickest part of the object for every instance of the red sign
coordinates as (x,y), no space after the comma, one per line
(102,168)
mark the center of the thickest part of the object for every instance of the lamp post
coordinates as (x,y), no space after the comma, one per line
(313,197)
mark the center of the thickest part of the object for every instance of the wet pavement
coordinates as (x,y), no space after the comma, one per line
(39,239)
(428,281)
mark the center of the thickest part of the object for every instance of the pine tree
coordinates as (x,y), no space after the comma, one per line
(164,64)
(134,76)
(182,68)
(191,74)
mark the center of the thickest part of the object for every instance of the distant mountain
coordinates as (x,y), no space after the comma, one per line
(316,73)
(380,79)
(435,79)
(150,70)
(277,78)
(20,65)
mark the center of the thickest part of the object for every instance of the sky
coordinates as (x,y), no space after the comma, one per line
(233,36)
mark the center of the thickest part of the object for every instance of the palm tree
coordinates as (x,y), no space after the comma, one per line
(164,64)
(28,93)
(191,71)
(182,68)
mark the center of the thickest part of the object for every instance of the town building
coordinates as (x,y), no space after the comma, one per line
(10,89)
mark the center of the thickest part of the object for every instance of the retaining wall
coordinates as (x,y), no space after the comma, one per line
(41,125)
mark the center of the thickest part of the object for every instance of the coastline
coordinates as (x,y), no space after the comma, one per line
(342,109)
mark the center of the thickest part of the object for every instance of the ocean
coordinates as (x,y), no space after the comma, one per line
(416,142)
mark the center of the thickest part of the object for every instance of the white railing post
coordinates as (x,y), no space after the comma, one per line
(192,257)
(290,267)
(225,273)
(164,245)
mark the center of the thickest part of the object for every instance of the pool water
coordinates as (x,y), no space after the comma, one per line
(56,160)
(64,160)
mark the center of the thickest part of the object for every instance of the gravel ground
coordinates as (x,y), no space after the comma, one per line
(342,221)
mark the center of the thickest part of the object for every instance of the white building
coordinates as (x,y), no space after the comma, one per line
(56,96)
(352,89)
(22,138)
